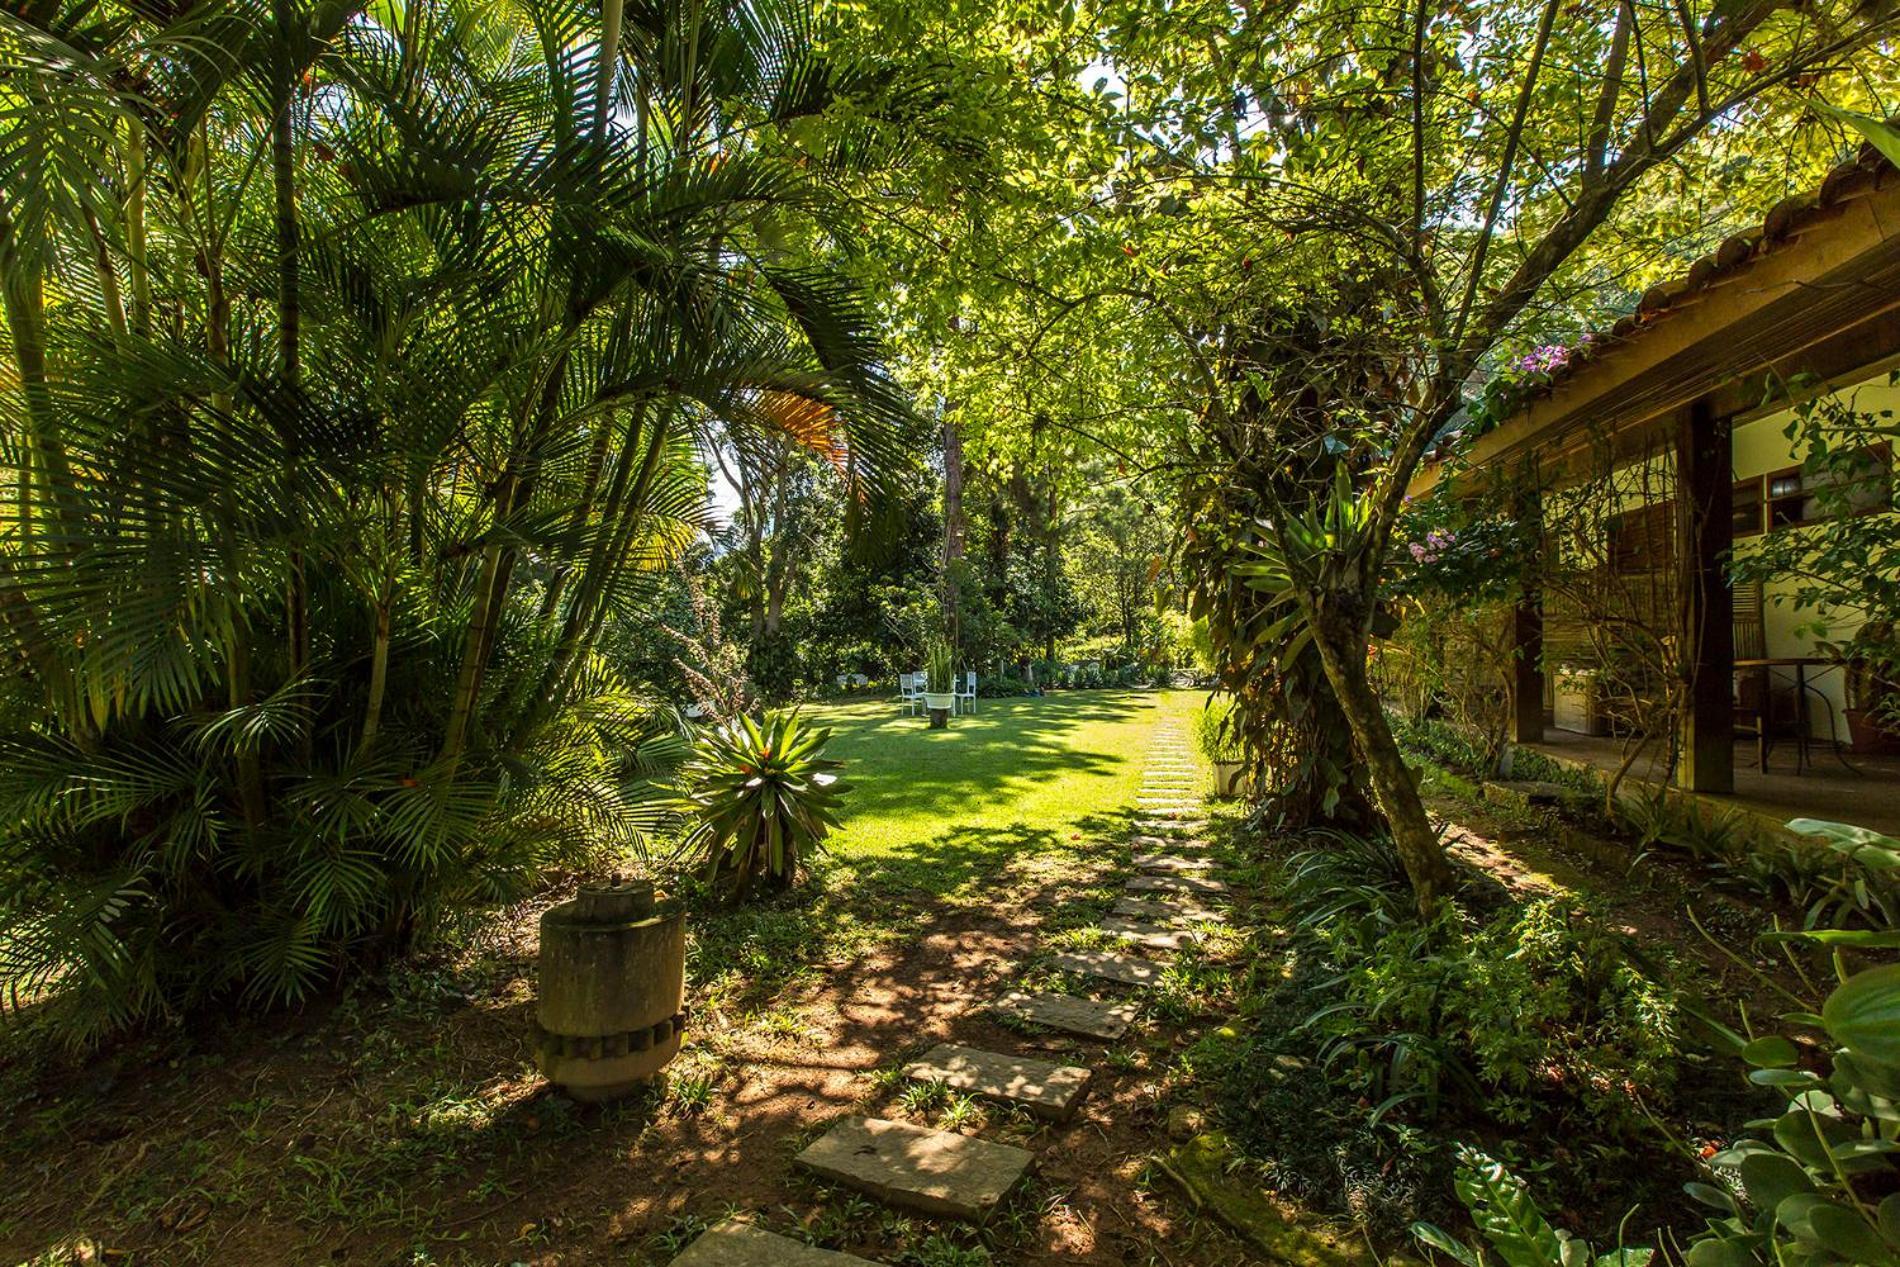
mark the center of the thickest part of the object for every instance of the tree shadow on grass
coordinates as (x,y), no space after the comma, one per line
(979,764)
(857,904)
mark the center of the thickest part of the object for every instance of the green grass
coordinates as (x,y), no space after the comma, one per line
(932,819)
(1016,769)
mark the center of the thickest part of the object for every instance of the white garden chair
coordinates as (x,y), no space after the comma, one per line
(910,691)
(968,689)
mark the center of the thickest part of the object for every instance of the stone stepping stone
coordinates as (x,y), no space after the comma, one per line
(1168,862)
(737,1244)
(1167,912)
(1179,826)
(933,1172)
(1147,936)
(1166,842)
(1110,965)
(1173,884)
(1045,1089)
(1068,1014)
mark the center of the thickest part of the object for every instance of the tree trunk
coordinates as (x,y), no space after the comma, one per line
(953,524)
(378,674)
(1342,648)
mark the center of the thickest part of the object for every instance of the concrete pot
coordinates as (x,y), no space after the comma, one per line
(939,706)
(612,989)
(1227,777)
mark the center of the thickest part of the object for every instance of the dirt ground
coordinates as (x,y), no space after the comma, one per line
(411,1128)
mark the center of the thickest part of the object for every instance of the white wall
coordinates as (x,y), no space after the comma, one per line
(1759,447)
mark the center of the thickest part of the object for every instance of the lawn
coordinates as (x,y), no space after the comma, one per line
(933,818)
(1017,771)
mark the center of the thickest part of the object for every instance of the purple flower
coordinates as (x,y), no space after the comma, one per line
(1545,360)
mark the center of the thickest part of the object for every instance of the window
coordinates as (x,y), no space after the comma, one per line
(1643,539)
(1854,482)
(1748,508)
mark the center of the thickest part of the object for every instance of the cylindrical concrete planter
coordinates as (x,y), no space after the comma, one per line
(613,989)
(1227,777)
(939,706)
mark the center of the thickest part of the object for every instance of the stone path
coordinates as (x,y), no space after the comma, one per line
(737,1244)
(1110,966)
(1045,1089)
(932,1172)
(1068,1014)
(943,1173)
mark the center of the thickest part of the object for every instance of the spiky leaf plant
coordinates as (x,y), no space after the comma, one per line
(765,796)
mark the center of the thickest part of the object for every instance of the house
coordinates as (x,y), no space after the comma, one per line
(1681,415)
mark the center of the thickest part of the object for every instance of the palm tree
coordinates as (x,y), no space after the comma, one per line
(361,364)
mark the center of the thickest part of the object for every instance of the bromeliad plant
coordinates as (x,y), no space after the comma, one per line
(765,796)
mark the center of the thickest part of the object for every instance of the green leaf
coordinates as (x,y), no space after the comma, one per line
(1710,1195)
(1845,1232)
(1770,1178)
(1863,1015)
(1865,938)
(1881,134)
(1720,1252)
(1771,1052)
(1442,1241)
(1626,1258)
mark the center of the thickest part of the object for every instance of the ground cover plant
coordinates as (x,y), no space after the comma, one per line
(407,1119)
(1526,1025)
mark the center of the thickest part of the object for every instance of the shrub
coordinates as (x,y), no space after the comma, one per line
(1215,732)
(765,797)
(1818,1183)
(1543,1011)
(1502,1209)
(1001,686)
(1447,745)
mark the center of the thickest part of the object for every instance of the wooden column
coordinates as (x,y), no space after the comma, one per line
(1705,477)
(1527,635)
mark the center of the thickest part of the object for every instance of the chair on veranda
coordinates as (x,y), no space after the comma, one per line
(1754,688)
(968,689)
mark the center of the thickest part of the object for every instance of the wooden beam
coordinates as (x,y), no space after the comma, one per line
(1705,477)
(1527,639)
